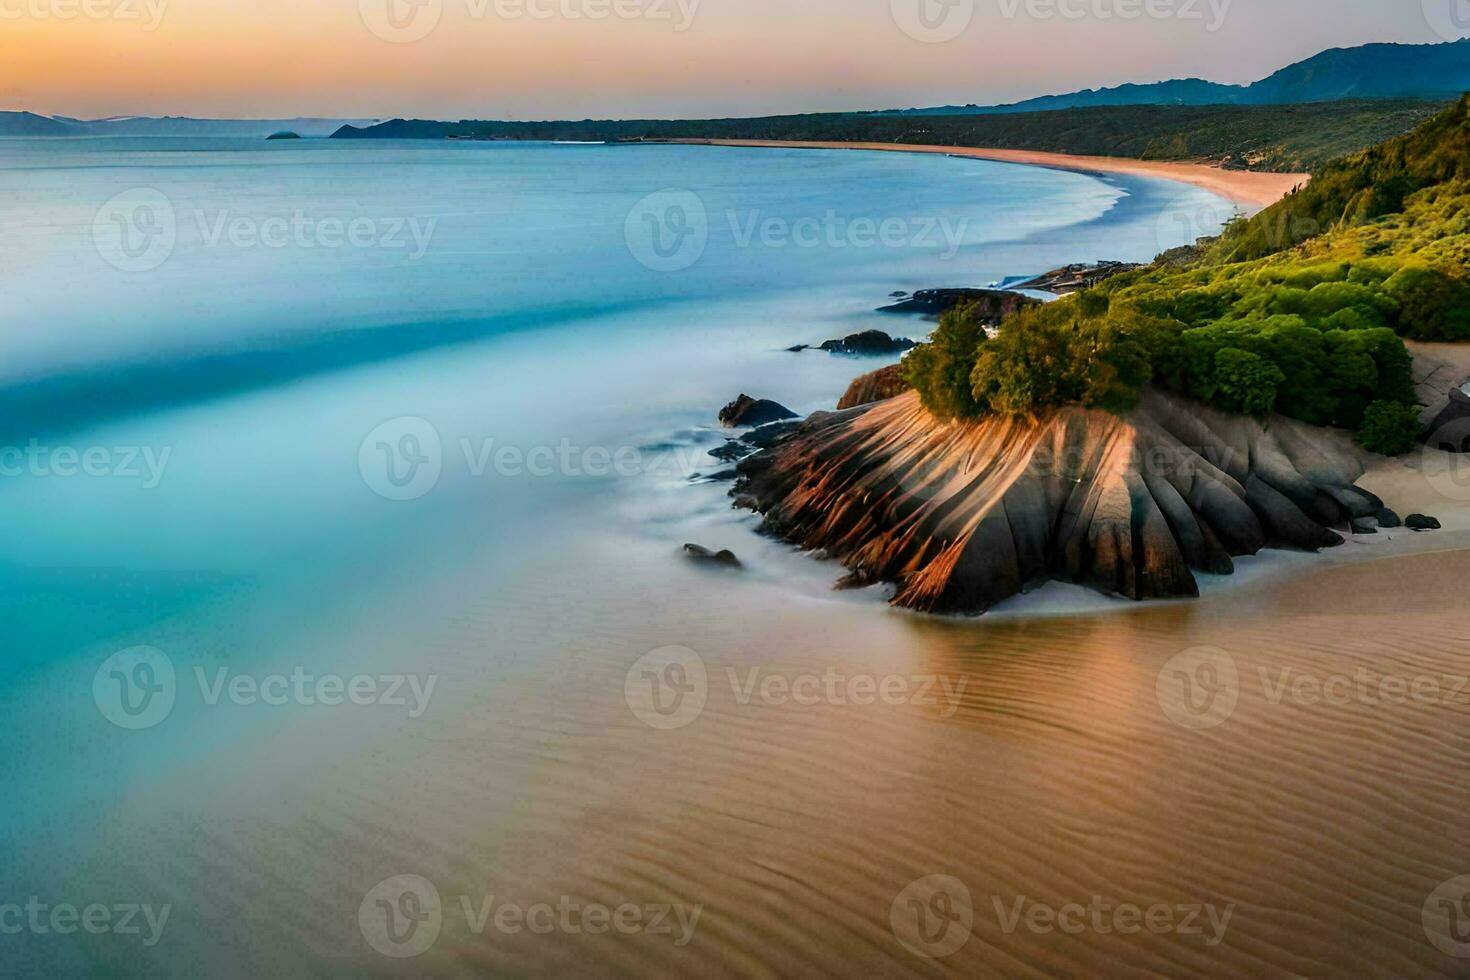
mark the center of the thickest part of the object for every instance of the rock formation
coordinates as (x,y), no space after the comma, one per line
(752,411)
(963,515)
(1075,278)
(875,387)
(995,304)
(704,556)
(869,343)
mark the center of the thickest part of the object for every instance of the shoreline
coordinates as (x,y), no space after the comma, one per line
(1249,188)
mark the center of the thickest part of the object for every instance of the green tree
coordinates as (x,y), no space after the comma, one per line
(1390,428)
(940,370)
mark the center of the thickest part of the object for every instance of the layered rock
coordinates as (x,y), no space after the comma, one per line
(876,386)
(963,515)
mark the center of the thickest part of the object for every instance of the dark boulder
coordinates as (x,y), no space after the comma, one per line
(749,411)
(1388,520)
(1418,522)
(869,343)
(1365,525)
(704,556)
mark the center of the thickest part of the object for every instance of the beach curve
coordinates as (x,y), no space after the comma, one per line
(1251,189)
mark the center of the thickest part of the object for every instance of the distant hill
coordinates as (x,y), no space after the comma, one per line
(1287,138)
(1372,71)
(29,124)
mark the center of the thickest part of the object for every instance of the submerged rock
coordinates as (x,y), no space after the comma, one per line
(869,343)
(761,437)
(733,451)
(705,556)
(753,412)
(963,515)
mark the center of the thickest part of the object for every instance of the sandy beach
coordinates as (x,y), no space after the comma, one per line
(1249,189)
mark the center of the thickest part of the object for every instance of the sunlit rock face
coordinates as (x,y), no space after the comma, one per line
(962,515)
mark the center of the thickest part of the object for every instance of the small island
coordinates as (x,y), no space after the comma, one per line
(284,134)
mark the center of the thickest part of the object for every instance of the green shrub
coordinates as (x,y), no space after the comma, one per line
(1432,306)
(940,369)
(1245,382)
(1278,316)
(1390,428)
(1055,355)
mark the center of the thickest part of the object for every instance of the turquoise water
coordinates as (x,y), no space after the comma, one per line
(261,345)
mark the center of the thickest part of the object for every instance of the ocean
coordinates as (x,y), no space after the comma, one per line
(344,492)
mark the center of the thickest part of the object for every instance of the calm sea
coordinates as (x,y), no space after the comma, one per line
(343,490)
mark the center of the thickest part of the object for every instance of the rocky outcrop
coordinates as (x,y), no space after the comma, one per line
(752,442)
(881,384)
(869,343)
(995,304)
(753,411)
(1075,278)
(963,515)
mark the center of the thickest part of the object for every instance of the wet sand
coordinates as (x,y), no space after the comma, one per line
(1052,770)
(1251,189)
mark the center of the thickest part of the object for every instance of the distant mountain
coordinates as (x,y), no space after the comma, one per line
(1372,71)
(1182,91)
(30,124)
(15,124)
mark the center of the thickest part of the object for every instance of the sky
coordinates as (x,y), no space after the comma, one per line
(538,59)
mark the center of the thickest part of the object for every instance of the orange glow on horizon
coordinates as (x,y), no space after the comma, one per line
(732,57)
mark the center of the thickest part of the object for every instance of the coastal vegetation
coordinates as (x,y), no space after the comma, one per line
(1288,138)
(1302,310)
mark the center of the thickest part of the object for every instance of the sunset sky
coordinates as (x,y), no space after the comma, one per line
(494,59)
